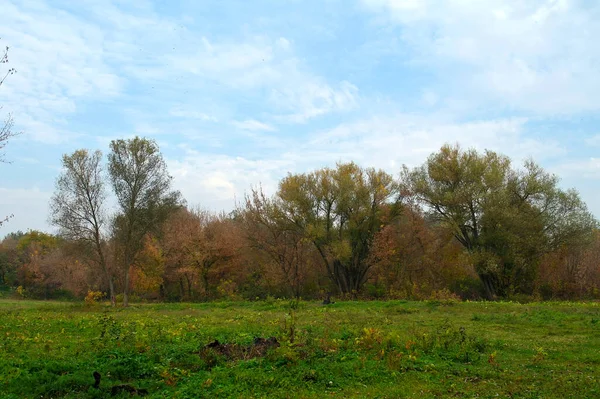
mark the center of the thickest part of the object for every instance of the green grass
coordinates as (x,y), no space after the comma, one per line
(394,349)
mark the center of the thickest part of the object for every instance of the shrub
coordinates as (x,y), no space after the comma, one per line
(93,297)
(21,291)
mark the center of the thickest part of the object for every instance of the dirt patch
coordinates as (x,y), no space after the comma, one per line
(258,348)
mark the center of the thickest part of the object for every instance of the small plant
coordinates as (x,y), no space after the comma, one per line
(288,325)
(540,354)
(444,297)
(21,291)
(370,338)
(93,297)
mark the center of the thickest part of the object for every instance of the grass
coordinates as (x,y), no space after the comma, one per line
(395,349)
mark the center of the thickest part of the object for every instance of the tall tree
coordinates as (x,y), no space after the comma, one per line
(340,210)
(269,231)
(6,128)
(77,206)
(507,219)
(142,186)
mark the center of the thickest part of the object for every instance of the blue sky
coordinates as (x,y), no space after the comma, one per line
(239,93)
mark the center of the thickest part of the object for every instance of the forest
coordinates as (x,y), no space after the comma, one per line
(466,224)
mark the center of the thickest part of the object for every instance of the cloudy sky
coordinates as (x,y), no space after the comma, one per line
(240,92)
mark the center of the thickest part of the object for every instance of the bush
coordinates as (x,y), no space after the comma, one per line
(93,297)
(444,295)
(468,288)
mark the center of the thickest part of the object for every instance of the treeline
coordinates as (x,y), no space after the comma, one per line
(464,224)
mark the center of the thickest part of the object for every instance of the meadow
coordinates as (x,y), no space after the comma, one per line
(393,349)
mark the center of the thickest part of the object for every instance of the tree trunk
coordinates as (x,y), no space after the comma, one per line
(488,284)
(205,283)
(126,290)
(189,286)
(111,288)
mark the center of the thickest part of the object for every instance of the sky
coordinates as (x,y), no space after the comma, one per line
(239,93)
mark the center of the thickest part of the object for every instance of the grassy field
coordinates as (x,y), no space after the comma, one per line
(346,350)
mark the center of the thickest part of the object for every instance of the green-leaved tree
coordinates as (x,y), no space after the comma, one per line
(506,218)
(340,210)
(142,186)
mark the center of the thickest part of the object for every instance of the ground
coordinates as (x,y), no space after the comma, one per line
(395,349)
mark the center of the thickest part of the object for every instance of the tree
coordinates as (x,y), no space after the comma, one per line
(196,243)
(9,259)
(270,232)
(505,218)
(142,186)
(32,249)
(6,128)
(77,206)
(412,258)
(340,210)
(149,269)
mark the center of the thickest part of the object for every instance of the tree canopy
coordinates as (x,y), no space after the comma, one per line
(340,210)
(506,218)
(142,185)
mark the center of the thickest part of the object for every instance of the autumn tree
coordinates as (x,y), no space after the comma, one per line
(340,210)
(78,207)
(269,231)
(149,268)
(197,242)
(571,271)
(412,257)
(505,218)
(9,258)
(32,248)
(142,187)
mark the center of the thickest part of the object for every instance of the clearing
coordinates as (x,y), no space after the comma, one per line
(283,349)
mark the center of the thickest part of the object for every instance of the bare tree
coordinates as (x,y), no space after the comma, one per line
(77,206)
(6,128)
(270,232)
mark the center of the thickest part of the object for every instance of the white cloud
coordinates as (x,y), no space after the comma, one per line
(539,56)
(130,53)
(314,98)
(215,180)
(59,60)
(388,142)
(593,141)
(184,112)
(253,125)
(264,65)
(579,169)
(218,181)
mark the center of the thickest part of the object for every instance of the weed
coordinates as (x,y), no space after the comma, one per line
(540,354)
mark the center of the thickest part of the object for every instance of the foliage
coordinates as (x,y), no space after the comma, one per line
(340,210)
(142,185)
(506,218)
(92,297)
(77,206)
(463,226)
(270,232)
